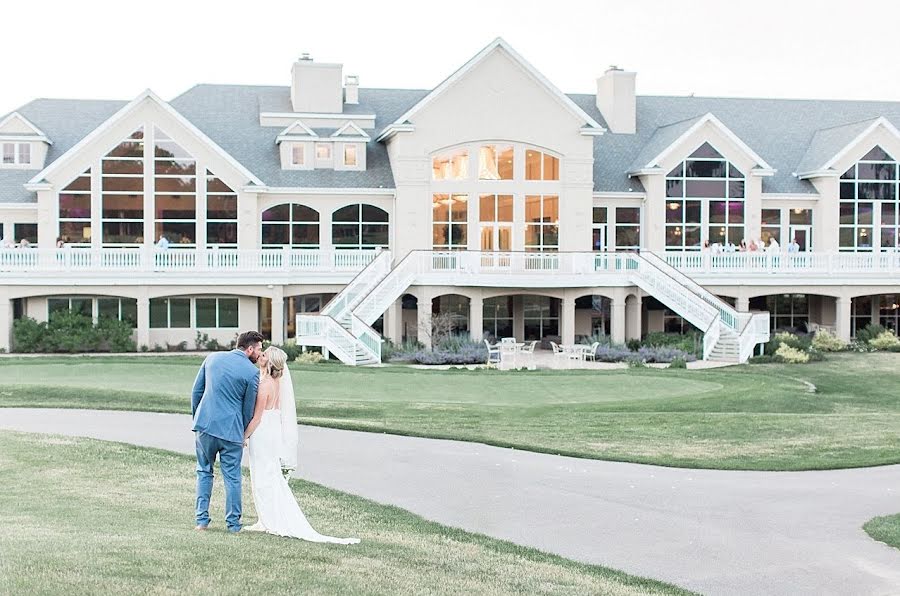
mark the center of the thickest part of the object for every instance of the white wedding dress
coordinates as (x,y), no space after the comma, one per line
(270,445)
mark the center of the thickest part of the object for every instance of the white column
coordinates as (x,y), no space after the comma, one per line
(519,317)
(143,322)
(6,320)
(567,321)
(842,318)
(633,318)
(476,318)
(742,304)
(278,315)
(393,322)
(423,318)
(617,319)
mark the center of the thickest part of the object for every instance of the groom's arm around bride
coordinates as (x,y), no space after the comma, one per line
(222,403)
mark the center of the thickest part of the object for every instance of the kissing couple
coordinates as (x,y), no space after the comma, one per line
(245,398)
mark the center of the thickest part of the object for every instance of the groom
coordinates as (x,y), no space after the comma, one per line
(222,405)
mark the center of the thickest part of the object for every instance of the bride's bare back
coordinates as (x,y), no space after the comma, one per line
(268,393)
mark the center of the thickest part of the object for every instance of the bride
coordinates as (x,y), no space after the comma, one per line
(272,437)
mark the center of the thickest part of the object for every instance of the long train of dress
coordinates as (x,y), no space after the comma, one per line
(278,510)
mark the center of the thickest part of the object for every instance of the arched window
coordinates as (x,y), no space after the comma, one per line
(290,225)
(869,203)
(704,201)
(359,226)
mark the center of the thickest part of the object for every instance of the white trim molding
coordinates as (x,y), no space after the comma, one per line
(147,95)
(826,170)
(38,133)
(350,125)
(297,190)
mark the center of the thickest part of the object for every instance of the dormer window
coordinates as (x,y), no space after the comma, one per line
(350,158)
(323,151)
(17,154)
(298,155)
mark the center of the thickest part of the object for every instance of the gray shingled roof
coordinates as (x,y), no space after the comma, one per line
(661,139)
(229,115)
(779,130)
(65,122)
(788,134)
(826,142)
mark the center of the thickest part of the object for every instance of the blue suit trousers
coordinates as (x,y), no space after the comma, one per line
(229,453)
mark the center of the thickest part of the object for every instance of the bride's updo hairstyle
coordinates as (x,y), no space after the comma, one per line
(277,361)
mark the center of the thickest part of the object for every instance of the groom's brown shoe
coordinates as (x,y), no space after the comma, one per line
(201,528)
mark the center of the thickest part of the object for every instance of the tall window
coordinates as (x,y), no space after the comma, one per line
(495,213)
(75,210)
(540,165)
(453,165)
(175,196)
(26,231)
(221,213)
(119,309)
(350,155)
(541,222)
(122,192)
(869,203)
(628,228)
(771,225)
(705,200)
(449,214)
(598,229)
(541,314)
(788,311)
(290,225)
(497,314)
(78,305)
(359,226)
(860,313)
(495,162)
(889,311)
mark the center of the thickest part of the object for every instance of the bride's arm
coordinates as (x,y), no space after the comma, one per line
(257,411)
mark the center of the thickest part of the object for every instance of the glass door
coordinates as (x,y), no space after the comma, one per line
(802,235)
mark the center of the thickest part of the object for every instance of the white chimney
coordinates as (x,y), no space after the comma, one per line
(316,87)
(351,89)
(616,100)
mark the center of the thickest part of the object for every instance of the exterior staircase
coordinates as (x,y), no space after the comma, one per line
(343,326)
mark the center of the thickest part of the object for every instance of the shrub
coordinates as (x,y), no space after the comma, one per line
(74,333)
(612,353)
(403,352)
(636,363)
(826,341)
(689,343)
(663,354)
(309,358)
(633,344)
(791,355)
(678,362)
(762,359)
(885,341)
(798,342)
(869,332)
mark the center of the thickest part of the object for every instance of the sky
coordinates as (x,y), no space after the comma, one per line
(97,49)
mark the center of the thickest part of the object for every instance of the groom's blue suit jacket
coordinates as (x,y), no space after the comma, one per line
(224,395)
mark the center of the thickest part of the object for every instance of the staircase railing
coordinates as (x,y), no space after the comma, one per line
(339,306)
(391,286)
(325,331)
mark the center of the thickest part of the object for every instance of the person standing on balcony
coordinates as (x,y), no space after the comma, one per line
(794,246)
(773,245)
(162,243)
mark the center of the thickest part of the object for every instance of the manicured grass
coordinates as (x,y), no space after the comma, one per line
(90,517)
(885,529)
(752,417)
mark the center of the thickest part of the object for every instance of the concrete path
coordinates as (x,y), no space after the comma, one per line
(715,532)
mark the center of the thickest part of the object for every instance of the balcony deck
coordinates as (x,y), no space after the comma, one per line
(149,265)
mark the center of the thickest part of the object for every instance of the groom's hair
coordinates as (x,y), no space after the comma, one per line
(248,338)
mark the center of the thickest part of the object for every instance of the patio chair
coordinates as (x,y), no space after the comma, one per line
(508,340)
(528,350)
(591,353)
(508,353)
(558,353)
(493,357)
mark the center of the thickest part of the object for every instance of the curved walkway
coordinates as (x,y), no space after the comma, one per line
(717,532)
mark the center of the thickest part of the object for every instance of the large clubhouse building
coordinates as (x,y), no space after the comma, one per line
(323,209)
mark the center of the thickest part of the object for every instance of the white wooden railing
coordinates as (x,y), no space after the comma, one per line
(175,260)
(784,262)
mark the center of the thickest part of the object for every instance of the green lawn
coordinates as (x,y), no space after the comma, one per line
(885,529)
(754,417)
(90,517)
